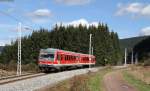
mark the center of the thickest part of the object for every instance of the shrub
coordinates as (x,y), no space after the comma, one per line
(79,83)
(30,67)
(147,62)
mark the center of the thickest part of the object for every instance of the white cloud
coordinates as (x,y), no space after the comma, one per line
(82,21)
(4,42)
(129,8)
(73,2)
(146,10)
(145,31)
(133,8)
(40,15)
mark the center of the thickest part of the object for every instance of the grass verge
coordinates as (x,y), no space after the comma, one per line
(91,81)
(140,85)
(95,82)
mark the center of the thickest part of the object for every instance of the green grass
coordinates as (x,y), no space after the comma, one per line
(140,85)
(95,82)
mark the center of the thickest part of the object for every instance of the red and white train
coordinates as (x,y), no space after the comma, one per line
(55,59)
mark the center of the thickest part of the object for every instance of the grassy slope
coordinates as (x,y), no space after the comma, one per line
(95,82)
(86,82)
(136,82)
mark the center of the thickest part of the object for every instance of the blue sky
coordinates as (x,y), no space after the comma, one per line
(128,18)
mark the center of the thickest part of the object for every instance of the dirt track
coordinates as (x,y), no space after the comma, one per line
(114,82)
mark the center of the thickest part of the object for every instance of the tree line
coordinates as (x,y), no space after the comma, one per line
(105,43)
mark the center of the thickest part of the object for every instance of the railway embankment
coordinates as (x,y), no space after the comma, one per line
(117,78)
(92,81)
(42,81)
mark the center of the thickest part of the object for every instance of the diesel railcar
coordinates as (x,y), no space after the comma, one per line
(56,59)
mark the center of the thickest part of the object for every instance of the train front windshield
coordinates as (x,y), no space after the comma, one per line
(47,56)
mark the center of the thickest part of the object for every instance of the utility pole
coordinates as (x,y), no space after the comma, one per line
(19,41)
(132,57)
(19,50)
(90,51)
(125,57)
(136,58)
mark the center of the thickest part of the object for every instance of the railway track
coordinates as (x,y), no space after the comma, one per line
(11,79)
(41,80)
(14,76)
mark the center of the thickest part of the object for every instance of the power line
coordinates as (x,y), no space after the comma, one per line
(14,18)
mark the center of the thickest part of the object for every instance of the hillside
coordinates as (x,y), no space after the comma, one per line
(140,45)
(130,42)
(143,50)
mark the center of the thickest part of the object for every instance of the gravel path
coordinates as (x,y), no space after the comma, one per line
(114,82)
(39,82)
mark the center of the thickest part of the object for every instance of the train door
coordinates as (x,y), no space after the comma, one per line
(59,58)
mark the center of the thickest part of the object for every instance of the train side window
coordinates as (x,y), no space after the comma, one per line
(68,57)
(65,57)
(61,57)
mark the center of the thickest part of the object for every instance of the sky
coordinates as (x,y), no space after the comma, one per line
(129,18)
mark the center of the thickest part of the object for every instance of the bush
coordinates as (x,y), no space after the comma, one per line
(147,62)
(2,66)
(30,67)
(12,66)
(79,83)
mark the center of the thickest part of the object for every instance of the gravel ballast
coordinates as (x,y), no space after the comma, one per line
(39,82)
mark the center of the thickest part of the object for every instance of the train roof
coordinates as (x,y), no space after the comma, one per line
(49,50)
(52,50)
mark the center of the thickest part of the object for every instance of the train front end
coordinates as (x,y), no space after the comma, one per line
(47,59)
